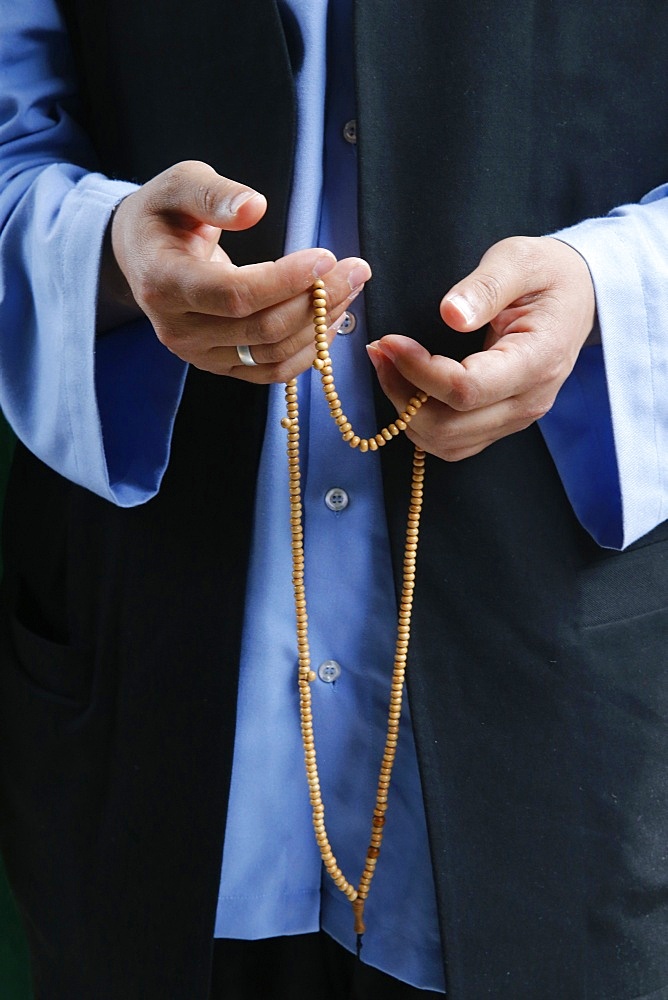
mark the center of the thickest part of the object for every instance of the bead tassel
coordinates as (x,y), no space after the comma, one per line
(306,676)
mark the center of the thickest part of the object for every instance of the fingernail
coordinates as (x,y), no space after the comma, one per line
(375,354)
(463,305)
(383,350)
(239,200)
(323,265)
(358,276)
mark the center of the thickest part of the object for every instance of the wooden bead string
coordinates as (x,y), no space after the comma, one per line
(323,364)
(306,676)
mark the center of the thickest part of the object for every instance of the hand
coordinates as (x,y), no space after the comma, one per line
(537,296)
(165,241)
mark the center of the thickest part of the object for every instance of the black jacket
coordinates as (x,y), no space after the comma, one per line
(537,668)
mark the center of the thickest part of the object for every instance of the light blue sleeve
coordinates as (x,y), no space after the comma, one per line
(608,430)
(99,411)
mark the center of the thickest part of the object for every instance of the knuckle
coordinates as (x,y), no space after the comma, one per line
(164,335)
(158,284)
(464,395)
(548,366)
(536,409)
(280,352)
(170,338)
(555,373)
(468,451)
(150,291)
(271,328)
(488,289)
(182,170)
(207,198)
(453,454)
(283,371)
(524,410)
(525,252)
(170,183)
(237,300)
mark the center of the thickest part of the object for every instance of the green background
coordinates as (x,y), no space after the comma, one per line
(14,974)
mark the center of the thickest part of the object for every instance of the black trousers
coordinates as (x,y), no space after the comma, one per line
(303,967)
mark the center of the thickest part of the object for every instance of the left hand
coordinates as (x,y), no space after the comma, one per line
(537,296)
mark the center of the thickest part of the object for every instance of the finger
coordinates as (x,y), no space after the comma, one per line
(510,270)
(225,361)
(440,429)
(396,387)
(453,435)
(194,189)
(443,431)
(517,364)
(522,365)
(443,378)
(274,335)
(221,289)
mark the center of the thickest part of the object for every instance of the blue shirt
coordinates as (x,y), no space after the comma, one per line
(112,401)
(110,407)
(273,884)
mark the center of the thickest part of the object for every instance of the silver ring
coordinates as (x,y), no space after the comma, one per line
(245,356)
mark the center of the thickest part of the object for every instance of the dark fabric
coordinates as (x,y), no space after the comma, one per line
(14,970)
(14,963)
(141,122)
(304,967)
(537,666)
(91,744)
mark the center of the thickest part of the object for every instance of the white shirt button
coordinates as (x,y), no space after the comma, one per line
(329,671)
(337,499)
(348,324)
(350,131)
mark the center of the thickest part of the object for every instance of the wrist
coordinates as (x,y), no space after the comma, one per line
(116,304)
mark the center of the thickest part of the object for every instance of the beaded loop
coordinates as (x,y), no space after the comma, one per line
(306,675)
(323,364)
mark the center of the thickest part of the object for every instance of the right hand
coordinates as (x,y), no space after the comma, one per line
(165,241)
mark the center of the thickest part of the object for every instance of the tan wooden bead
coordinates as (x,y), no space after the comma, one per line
(322,363)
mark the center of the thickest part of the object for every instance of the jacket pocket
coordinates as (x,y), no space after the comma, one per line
(57,671)
(620,586)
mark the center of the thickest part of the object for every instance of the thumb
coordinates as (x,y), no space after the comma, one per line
(507,272)
(195,189)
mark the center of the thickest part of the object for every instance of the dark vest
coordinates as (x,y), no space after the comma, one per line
(537,662)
